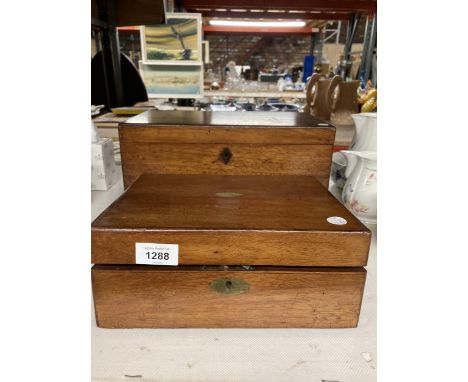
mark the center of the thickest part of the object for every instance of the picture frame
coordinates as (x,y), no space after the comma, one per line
(172,81)
(206,51)
(178,42)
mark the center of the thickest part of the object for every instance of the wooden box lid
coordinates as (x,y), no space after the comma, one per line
(231,220)
(224,126)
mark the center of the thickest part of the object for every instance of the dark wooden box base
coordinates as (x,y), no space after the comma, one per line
(212,297)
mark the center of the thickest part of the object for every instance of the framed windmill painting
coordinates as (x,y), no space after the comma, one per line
(179,41)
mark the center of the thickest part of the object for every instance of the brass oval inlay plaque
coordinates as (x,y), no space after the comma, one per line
(228,194)
(229,286)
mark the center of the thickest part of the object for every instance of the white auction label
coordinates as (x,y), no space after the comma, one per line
(337,220)
(156,254)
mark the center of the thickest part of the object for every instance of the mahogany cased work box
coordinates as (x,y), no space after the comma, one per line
(239,246)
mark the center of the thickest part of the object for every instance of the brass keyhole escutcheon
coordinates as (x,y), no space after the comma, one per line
(229,286)
(225,155)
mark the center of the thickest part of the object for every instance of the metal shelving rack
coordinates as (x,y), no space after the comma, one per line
(342,10)
(106,16)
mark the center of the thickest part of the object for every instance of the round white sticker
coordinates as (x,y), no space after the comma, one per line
(336,220)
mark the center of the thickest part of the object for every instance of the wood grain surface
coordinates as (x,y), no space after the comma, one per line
(251,220)
(226,135)
(190,142)
(207,159)
(288,248)
(184,297)
(222,134)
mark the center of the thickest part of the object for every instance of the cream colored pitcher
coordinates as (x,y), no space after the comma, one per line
(365,138)
(360,191)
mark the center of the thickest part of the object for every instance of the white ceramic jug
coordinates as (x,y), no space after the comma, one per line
(365,138)
(360,191)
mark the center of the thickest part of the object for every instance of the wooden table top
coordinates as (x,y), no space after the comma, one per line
(217,202)
(228,118)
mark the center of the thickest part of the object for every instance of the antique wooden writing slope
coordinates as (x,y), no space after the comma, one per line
(253,251)
(226,143)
